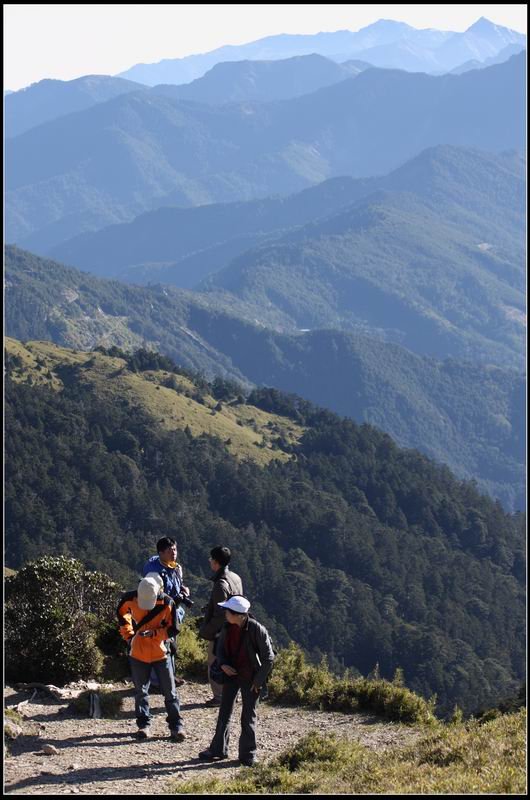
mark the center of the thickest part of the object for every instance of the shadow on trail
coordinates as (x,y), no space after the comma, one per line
(137,772)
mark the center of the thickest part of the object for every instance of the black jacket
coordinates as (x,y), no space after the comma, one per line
(258,646)
(225,584)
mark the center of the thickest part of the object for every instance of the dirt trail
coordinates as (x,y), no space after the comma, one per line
(102,756)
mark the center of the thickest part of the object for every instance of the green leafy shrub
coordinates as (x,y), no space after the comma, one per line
(191,651)
(56,611)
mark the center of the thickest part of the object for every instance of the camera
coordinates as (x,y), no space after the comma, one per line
(185,600)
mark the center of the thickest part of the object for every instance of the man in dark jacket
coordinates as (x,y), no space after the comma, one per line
(225,584)
(245,654)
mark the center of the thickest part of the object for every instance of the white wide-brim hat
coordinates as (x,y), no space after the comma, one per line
(237,603)
(148,590)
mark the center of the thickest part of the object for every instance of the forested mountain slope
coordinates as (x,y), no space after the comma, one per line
(398,562)
(470,417)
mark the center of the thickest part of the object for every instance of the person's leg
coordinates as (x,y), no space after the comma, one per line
(140,671)
(166,679)
(247,740)
(217,688)
(219,745)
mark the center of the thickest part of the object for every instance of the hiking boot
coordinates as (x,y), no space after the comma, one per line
(248,762)
(207,755)
(177,736)
(143,733)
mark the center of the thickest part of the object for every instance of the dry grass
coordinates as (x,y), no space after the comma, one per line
(247,431)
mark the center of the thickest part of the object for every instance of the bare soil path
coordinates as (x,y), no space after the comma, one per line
(103,756)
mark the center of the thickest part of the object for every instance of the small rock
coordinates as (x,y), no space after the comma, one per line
(50,750)
(74,766)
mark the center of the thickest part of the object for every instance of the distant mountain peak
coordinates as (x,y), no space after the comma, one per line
(386,23)
(483,25)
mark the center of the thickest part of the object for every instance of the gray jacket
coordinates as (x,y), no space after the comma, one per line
(225,584)
(258,646)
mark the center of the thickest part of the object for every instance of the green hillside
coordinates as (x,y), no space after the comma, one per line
(478,191)
(349,545)
(173,400)
(391,266)
(468,417)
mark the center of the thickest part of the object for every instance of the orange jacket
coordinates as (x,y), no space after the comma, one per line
(163,624)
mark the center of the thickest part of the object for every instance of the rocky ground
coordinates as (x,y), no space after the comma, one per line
(102,756)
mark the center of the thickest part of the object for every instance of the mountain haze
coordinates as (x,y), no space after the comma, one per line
(137,152)
(479,191)
(469,417)
(49,99)
(385,43)
(262,81)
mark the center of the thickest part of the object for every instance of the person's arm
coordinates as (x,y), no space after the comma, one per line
(125,617)
(184,589)
(213,624)
(266,656)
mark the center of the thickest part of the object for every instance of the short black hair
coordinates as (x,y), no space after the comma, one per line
(164,543)
(221,554)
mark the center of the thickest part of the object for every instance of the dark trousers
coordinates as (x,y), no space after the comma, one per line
(247,739)
(140,671)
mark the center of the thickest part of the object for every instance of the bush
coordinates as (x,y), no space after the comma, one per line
(111,703)
(294,681)
(192,652)
(56,613)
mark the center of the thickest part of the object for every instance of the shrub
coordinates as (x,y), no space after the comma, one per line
(111,703)
(56,612)
(191,651)
(295,681)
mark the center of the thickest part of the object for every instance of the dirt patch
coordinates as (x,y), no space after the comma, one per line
(102,756)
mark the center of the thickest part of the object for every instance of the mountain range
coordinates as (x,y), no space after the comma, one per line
(49,99)
(263,81)
(241,81)
(429,256)
(482,192)
(467,416)
(140,151)
(385,43)
(506,53)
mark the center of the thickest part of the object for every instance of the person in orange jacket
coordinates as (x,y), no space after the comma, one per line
(148,618)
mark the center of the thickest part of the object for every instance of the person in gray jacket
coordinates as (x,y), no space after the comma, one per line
(225,584)
(245,655)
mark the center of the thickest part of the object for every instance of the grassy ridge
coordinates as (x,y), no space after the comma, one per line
(453,759)
(247,431)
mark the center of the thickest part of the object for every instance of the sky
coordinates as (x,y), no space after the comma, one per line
(68,41)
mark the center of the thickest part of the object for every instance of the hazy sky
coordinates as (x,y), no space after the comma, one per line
(67,41)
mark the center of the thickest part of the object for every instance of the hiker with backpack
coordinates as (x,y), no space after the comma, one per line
(148,619)
(244,658)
